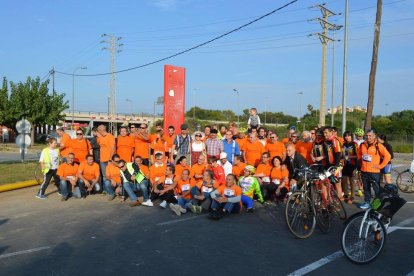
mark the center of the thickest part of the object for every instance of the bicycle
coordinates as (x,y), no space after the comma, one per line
(300,211)
(405,180)
(365,233)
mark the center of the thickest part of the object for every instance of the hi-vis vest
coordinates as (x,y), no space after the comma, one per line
(139,177)
(47,163)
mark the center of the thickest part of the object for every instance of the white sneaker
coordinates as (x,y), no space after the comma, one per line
(182,210)
(175,208)
(163,204)
(148,203)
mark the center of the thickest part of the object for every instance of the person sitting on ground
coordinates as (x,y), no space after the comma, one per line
(129,182)
(226,198)
(218,171)
(112,182)
(68,174)
(49,162)
(198,169)
(238,166)
(200,193)
(224,162)
(279,176)
(250,187)
(181,165)
(183,193)
(165,190)
(263,173)
(89,175)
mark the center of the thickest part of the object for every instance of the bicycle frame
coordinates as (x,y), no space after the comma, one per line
(368,212)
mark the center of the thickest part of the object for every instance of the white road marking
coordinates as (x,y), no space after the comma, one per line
(179,220)
(338,254)
(410,202)
(24,252)
(401,228)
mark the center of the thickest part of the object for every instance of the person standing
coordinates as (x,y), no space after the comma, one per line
(275,148)
(80,147)
(169,138)
(350,152)
(106,143)
(64,144)
(373,157)
(49,162)
(197,148)
(141,143)
(230,146)
(214,145)
(253,150)
(386,171)
(125,145)
(224,162)
(182,144)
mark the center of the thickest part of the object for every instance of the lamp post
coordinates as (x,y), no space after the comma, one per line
(238,107)
(194,102)
(131,106)
(73,92)
(300,93)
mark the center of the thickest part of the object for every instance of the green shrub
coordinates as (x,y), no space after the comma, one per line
(403,148)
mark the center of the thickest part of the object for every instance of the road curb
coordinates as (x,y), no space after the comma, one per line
(17,185)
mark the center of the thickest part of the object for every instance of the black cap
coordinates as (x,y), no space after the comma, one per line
(184,126)
(214,131)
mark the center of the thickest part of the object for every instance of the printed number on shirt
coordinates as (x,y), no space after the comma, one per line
(185,187)
(367,157)
(206,189)
(266,179)
(228,192)
(276,181)
(168,181)
(70,177)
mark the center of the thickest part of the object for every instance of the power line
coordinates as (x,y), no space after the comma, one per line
(189,49)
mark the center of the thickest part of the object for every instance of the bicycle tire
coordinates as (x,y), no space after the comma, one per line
(355,247)
(38,174)
(405,182)
(337,206)
(300,215)
(323,218)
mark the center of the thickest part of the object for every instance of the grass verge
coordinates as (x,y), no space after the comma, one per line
(16,172)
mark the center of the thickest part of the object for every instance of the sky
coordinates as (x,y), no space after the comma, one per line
(268,62)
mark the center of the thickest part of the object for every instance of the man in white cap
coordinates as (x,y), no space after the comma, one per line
(228,168)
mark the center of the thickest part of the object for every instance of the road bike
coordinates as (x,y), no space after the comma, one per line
(365,233)
(405,180)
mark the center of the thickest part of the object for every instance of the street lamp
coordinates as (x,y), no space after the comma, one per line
(73,92)
(131,106)
(238,107)
(300,104)
(194,102)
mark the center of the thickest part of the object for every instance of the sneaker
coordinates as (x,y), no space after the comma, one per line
(193,208)
(148,203)
(249,210)
(359,193)
(111,197)
(64,198)
(199,209)
(365,205)
(39,196)
(59,193)
(135,203)
(182,210)
(163,204)
(175,208)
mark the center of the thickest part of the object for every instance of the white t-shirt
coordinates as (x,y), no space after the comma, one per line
(197,147)
(54,158)
(228,167)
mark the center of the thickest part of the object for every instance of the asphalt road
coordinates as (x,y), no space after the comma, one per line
(95,237)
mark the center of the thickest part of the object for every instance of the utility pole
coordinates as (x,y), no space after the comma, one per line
(325,39)
(113,48)
(238,107)
(333,72)
(52,72)
(345,69)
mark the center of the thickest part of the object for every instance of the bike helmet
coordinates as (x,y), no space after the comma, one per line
(359,132)
(250,168)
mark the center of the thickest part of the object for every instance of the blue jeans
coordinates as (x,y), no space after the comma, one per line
(65,188)
(110,190)
(130,188)
(184,203)
(370,180)
(227,206)
(103,166)
(204,203)
(247,201)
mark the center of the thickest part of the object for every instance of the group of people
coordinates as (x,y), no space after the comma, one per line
(222,170)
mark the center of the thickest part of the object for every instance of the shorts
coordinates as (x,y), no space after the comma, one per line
(386,169)
(348,170)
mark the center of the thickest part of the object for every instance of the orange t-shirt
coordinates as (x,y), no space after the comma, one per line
(276,149)
(280,174)
(238,169)
(170,141)
(232,191)
(106,143)
(66,170)
(340,140)
(124,146)
(80,148)
(264,169)
(141,147)
(184,186)
(197,169)
(305,150)
(159,146)
(113,173)
(89,172)
(145,170)
(66,141)
(179,169)
(157,172)
(253,152)
(241,142)
(285,140)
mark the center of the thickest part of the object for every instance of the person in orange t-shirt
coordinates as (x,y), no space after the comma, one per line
(113,178)
(158,170)
(263,170)
(183,193)
(279,175)
(238,166)
(253,150)
(68,175)
(169,138)
(305,147)
(289,138)
(106,143)
(141,143)
(125,145)
(158,145)
(81,147)
(197,170)
(88,174)
(226,198)
(276,148)
(241,140)
(64,144)
(181,165)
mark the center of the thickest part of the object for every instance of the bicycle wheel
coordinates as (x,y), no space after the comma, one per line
(337,206)
(405,182)
(364,248)
(38,174)
(300,215)
(323,218)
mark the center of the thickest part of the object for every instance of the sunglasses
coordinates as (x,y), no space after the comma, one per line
(143,128)
(132,127)
(198,135)
(115,161)
(79,133)
(272,137)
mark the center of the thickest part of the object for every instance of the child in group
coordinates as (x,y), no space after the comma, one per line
(254,119)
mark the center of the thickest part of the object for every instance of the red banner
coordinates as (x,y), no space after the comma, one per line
(174,97)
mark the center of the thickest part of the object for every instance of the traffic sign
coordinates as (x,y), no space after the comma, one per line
(23,126)
(23,141)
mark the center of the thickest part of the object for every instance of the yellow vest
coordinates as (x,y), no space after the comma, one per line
(47,163)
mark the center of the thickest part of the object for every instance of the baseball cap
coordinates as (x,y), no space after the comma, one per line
(184,127)
(223,155)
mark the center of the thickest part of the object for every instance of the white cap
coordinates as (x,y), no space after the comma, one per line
(223,155)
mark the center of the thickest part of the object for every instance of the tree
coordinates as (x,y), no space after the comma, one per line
(373,72)
(309,107)
(4,104)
